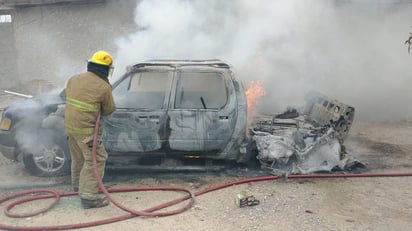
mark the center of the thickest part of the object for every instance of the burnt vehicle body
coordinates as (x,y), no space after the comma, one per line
(170,115)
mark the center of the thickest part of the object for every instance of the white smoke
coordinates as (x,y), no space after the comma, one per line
(349,50)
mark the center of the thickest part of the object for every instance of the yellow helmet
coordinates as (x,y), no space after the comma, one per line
(102,57)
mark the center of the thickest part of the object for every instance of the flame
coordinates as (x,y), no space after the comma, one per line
(254,91)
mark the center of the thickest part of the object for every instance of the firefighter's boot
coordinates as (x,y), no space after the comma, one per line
(88,204)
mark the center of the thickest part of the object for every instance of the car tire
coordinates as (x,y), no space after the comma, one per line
(51,159)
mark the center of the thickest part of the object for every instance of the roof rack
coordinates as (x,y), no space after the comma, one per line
(177,62)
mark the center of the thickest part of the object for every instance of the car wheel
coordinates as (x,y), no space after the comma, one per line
(51,159)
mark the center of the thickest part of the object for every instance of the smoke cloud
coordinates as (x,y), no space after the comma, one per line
(353,51)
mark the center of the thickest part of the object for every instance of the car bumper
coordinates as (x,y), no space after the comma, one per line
(7,145)
(8,152)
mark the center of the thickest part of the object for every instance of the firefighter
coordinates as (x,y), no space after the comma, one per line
(87,94)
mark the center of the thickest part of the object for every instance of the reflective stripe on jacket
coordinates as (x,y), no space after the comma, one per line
(86,95)
(82,105)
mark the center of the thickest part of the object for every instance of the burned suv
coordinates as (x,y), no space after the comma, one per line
(170,115)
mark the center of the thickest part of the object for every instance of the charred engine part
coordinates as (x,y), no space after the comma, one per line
(323,110)
(300,143)
(282,154)
(290,113)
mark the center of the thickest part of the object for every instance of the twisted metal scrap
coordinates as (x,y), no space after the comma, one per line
(409,41)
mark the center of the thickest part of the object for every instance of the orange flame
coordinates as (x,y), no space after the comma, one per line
(254,91)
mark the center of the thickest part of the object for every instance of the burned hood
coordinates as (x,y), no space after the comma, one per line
(36,107)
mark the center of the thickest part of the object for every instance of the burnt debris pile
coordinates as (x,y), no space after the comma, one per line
(305,141)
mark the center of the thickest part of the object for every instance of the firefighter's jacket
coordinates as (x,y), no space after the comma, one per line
(86,95)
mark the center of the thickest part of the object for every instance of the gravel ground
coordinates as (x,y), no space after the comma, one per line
(285,204)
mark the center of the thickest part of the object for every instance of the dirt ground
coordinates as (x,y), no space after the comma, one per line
(379,203)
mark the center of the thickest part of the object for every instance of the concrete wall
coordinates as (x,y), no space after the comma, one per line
(8,52)
(53,42)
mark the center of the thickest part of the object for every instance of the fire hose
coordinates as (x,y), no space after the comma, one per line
(149,212)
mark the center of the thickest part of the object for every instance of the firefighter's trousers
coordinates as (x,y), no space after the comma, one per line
(82,172)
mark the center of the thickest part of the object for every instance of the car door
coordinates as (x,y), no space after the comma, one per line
(201,116)
(138,123)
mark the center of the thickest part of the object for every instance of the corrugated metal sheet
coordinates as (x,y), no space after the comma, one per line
(13,3)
